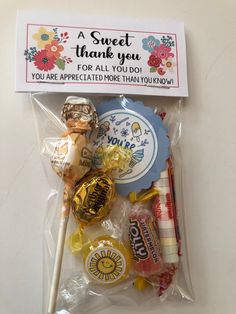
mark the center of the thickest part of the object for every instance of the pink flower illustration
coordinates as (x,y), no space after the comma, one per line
(163,52)
(160,59)
(154,61)
(161,71)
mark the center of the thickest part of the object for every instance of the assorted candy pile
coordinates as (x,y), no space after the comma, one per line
(151,255)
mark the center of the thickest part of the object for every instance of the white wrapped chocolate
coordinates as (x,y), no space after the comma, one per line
(72,157)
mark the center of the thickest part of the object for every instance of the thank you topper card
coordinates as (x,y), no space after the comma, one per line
(100,55)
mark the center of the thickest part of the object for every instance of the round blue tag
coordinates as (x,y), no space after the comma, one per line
(130,124)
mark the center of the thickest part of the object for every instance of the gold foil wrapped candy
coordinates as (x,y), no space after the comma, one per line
(92,198)
(94,194)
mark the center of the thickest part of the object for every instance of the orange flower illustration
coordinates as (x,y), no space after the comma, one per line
(53,49)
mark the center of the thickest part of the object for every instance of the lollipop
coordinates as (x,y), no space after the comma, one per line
(71,161)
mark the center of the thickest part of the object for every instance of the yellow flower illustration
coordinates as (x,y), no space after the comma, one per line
(43,37)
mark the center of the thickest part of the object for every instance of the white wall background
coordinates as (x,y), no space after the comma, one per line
(208,146)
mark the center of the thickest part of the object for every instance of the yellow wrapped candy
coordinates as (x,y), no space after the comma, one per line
(141,283)
(106,260)
(93,195)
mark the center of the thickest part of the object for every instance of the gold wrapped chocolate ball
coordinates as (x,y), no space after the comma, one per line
(93,195)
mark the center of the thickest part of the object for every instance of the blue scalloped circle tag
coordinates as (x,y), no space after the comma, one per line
(130,124)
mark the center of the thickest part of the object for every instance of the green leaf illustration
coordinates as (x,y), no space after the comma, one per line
(61,64)
(153,69)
